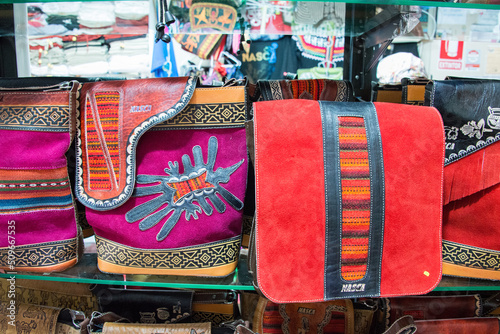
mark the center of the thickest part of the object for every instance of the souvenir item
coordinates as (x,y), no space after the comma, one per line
(37,210)
(162,169)
(327,317)
(471,114)
(348,200)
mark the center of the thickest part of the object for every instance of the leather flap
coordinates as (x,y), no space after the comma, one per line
(348,199)
(471,114)
(434,307)
(113,117)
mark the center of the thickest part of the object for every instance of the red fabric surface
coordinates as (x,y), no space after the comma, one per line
(473,173)
(474,220)
(293,162)
(413,151)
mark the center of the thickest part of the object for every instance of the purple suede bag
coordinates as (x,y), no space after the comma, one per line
(38,229)
(163,175)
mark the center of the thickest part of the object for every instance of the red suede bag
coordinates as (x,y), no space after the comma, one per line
(348,200)
(471,114)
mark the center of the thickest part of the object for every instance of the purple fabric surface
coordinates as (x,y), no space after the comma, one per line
(39,226)
(155,150)
(33,149)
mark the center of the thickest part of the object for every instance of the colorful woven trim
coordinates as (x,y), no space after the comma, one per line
(471,257)
(36,118)
(23,191)
(195,257)
(355,184)
(320,48)
(207,116)
(212,15)
(41,255)
(201,45)
(102,140)
(314,87)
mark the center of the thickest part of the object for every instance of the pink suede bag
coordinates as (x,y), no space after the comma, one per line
(162,169)
(38,225)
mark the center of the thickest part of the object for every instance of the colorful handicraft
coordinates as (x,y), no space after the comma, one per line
(171,202)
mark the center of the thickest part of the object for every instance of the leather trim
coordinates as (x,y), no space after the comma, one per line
(132,141)
(42,257)
(212,259)
(471,257)
(369,285)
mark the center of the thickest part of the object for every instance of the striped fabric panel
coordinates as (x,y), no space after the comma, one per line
(22,191)
(272,320)
(107,116)
(355,187)
(185,187)
(315,87)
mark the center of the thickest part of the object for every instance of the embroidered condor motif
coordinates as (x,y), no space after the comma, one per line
(197,183)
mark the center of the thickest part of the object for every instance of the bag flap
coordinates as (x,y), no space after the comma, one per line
(434,307)
(340,212)
(113,117)
(471,114)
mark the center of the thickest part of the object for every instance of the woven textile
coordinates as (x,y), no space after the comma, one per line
(355,183)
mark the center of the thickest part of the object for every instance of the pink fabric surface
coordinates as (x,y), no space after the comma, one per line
(154,151)
(39,226)
(33,149)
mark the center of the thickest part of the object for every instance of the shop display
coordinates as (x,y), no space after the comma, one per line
(471,186)
(149,213)
(355,208)
(37,208)
(248,187)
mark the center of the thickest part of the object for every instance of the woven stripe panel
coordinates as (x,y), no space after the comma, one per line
(355,185)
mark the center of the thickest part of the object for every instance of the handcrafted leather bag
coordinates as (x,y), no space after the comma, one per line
(29,318)
(270,90)
(389,310)
(312,89)
(37,210)
(76,296)
(471,114)
(162,170)
(349,200)
(168,306)
(327,317)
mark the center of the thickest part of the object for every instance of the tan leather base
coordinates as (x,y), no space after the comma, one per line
(49,269)
(111,268)
(461,271)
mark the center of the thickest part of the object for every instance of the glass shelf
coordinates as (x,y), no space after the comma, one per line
(86,271)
